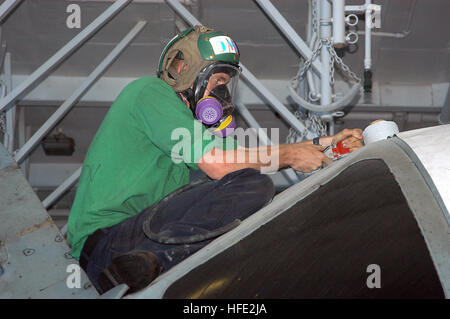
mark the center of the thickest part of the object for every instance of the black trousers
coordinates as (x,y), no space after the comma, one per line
(198,210)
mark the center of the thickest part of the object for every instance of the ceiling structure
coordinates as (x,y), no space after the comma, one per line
(36,29)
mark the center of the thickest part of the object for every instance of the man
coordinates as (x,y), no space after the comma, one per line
(134,214)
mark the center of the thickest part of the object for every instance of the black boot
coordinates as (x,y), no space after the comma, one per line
(136,268)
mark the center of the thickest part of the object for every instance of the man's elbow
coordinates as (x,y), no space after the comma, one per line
(214,170)
(211,167)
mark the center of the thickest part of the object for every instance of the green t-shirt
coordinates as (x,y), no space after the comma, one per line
(142,151)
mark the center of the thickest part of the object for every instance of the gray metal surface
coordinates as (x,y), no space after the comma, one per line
(424,206)
(427,178)
(5,158)
(34,255)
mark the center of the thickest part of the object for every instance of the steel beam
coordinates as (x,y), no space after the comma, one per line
(6,8)
(289,33)
(248,77)
(24,87)
(62,189)
(11,113)
(70,102)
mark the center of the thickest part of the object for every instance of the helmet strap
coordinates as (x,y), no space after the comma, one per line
(189,95)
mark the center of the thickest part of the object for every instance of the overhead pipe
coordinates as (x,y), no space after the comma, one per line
(397,35)
(325,34)
(335,106)
(368,43)
(339,23)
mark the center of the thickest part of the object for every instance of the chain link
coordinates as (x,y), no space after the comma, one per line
(317,124)
(294,136)
(314,16)
(2,122)
(3,113)
(307,65)
(336,59)
(313,122)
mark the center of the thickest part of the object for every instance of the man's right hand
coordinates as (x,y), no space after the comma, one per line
(307,157)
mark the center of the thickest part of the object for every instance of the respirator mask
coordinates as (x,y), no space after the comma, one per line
(213,96)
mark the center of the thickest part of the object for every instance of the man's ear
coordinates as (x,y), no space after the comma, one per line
(178,65)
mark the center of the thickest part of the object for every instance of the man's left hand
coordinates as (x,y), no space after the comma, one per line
(351,138)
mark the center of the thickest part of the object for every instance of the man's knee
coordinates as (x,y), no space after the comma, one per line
(265,187)
(252,181)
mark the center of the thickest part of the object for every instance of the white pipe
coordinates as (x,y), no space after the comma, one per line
(368,36)
(332,107)
(398,35)
(339,23)
(309,30)
(325,34)
(309,73)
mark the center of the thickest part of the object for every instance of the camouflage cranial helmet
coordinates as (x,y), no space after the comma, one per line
(199,47)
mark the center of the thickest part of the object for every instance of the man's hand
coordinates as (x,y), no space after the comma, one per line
(307,157)
(351,138)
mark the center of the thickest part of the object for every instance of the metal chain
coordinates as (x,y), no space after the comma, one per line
(314,16)
(294,136)
(336,59)
(317,124)
(308,62)
(331,70)
(2,122)
(2,114)
(313,122)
